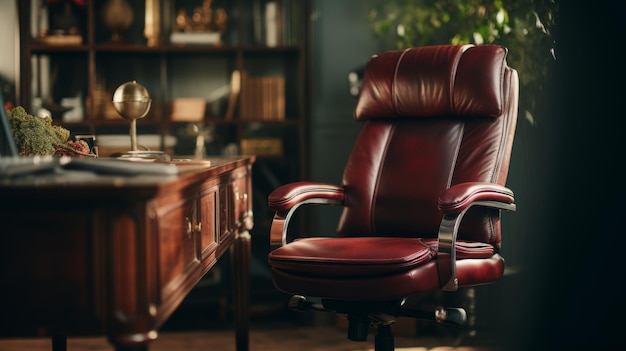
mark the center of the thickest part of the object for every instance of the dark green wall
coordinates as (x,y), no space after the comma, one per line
(341,43)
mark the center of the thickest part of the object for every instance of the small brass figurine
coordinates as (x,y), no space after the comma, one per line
(203,19)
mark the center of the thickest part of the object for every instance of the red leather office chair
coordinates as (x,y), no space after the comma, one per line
(421,193)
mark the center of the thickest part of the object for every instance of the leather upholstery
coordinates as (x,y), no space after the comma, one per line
(437,131)
(433,81)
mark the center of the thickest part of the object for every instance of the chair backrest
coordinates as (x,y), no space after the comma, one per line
(432,117)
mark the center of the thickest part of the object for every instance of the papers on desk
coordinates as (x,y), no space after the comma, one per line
(122,166)
(32,165)
(15,165)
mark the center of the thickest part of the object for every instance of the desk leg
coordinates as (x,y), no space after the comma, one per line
(59,343)
(132,348)
(240,256)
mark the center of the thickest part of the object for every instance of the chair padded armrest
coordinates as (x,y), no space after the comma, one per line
(289,195)
(460,196)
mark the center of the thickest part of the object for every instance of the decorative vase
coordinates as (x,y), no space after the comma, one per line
(117,17)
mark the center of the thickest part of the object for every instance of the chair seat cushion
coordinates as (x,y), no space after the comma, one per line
(420,280)
(363,256)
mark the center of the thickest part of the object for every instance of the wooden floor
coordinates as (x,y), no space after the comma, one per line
(265,335)
(298,338)
(197,326)
(292,339)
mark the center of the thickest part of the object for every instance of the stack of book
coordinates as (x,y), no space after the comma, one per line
(262,98)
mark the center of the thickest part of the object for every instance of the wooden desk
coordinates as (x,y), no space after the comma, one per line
(116,255)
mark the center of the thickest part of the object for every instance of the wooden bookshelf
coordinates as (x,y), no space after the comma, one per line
(253,91)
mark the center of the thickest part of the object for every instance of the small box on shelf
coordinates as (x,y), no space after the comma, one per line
(262,146)
(188,109)
(207,38)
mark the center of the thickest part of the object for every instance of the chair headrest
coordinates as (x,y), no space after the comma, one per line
(434,80)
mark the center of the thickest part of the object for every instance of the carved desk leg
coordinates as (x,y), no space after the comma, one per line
(240,255)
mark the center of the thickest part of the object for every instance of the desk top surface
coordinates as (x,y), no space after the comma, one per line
(190,171)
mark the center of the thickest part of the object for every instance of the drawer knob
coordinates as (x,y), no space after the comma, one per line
(192,228)
(189,227)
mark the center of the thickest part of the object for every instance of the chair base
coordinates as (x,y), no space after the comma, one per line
(384,339)
(382,315)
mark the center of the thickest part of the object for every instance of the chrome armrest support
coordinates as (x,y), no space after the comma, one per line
(280,223)
(446,250)
(287,198)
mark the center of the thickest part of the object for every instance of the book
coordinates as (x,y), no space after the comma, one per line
(272,25)
(262,98)
(257,22)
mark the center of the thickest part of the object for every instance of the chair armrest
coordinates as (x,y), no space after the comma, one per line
(289,195)
(286,199)
(461,196)
(454,203)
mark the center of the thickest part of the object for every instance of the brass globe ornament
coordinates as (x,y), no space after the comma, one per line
(132,101)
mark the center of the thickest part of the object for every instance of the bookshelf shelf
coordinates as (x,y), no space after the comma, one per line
(92,69)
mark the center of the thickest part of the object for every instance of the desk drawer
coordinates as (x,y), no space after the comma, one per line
(208,220)
(177,226)
(242,201)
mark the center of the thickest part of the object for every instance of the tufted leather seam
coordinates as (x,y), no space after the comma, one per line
(462,132)
(379,177)
(453,71)
(506,110)
(505,125)
(395,111)
(394,96)
(456,156)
